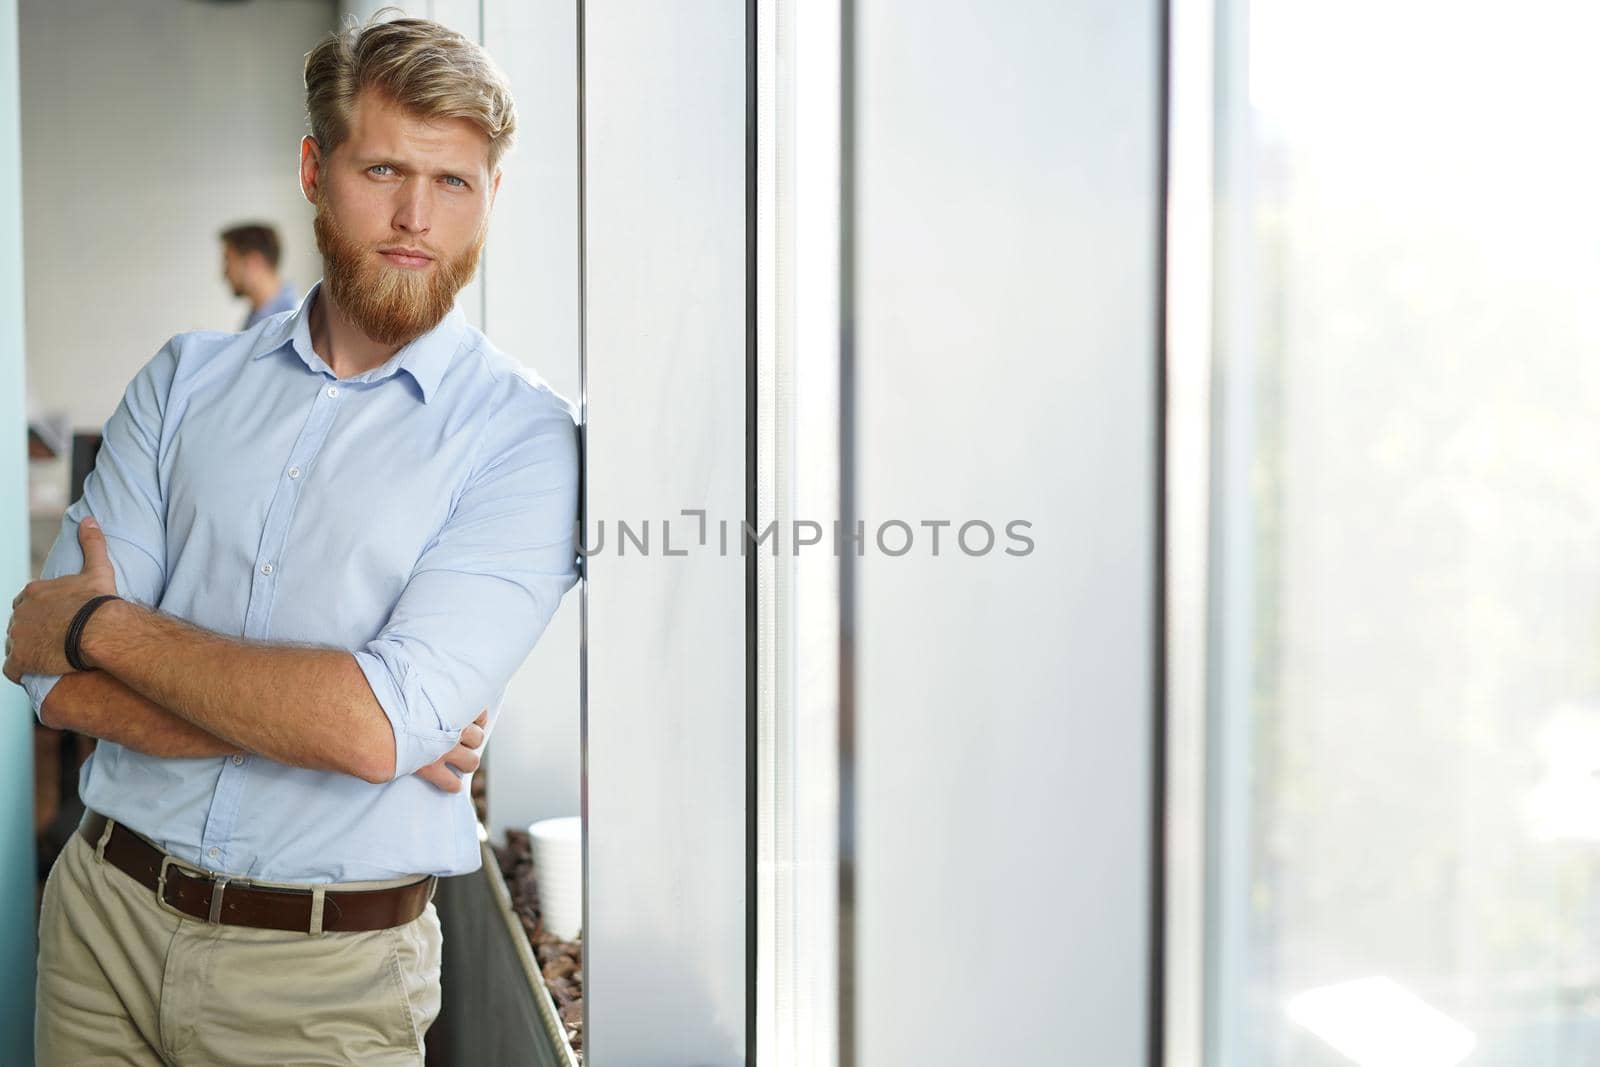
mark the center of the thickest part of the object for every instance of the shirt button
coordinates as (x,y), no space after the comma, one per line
(238,760)
(294,472)
(266,568)
(333,390)
(213,852)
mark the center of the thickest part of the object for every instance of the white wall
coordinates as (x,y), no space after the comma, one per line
(148,126)
(530,309)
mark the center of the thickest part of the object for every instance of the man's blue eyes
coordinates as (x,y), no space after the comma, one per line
(384,170)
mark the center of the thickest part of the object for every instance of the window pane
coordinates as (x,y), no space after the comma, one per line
(1407,560)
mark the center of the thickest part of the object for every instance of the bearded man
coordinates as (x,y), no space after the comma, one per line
(309,555)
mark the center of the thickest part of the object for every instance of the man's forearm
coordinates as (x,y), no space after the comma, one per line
(100,705)
(298,705)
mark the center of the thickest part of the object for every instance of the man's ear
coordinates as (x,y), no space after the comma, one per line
(494,187)
(310,167)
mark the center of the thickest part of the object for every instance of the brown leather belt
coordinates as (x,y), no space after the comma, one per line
(219,899)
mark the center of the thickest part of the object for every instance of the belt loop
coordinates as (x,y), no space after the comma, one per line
(434,888)
(318,894)
(218,886)
(105,835)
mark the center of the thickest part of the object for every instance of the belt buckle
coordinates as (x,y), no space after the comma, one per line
(219,884)
(161,889)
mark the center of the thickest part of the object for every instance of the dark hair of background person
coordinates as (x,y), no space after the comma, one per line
(254,237)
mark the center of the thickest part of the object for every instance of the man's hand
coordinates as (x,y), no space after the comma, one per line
(464,758)
(40,614)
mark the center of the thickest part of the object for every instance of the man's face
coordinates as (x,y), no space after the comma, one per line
(402,213)
(233,269)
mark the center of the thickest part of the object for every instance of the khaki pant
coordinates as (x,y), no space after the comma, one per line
(123,980)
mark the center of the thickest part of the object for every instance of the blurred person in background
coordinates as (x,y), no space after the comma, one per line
(250,254)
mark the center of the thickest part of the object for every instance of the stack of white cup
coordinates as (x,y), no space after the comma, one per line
(558,866)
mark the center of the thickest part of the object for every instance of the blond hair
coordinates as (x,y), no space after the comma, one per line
(420,65)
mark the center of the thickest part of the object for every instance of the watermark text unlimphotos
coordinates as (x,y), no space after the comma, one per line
(692,532)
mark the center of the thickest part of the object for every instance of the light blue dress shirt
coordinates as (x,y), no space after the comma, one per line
(283,301)
(421,515)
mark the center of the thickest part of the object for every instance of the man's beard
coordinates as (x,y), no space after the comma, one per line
(391,305)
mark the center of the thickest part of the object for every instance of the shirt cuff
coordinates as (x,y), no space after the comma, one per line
(38,687)
(414,746)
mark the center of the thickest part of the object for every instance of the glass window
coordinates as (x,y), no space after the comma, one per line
(1405,561)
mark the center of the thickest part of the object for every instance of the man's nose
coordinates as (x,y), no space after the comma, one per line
(414,212)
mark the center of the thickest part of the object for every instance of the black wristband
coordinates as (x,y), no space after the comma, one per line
(75,630)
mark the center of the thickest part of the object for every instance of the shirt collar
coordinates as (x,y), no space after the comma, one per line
(425,358)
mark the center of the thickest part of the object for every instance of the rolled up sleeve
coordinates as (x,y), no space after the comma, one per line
(483,590)
(123,493)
